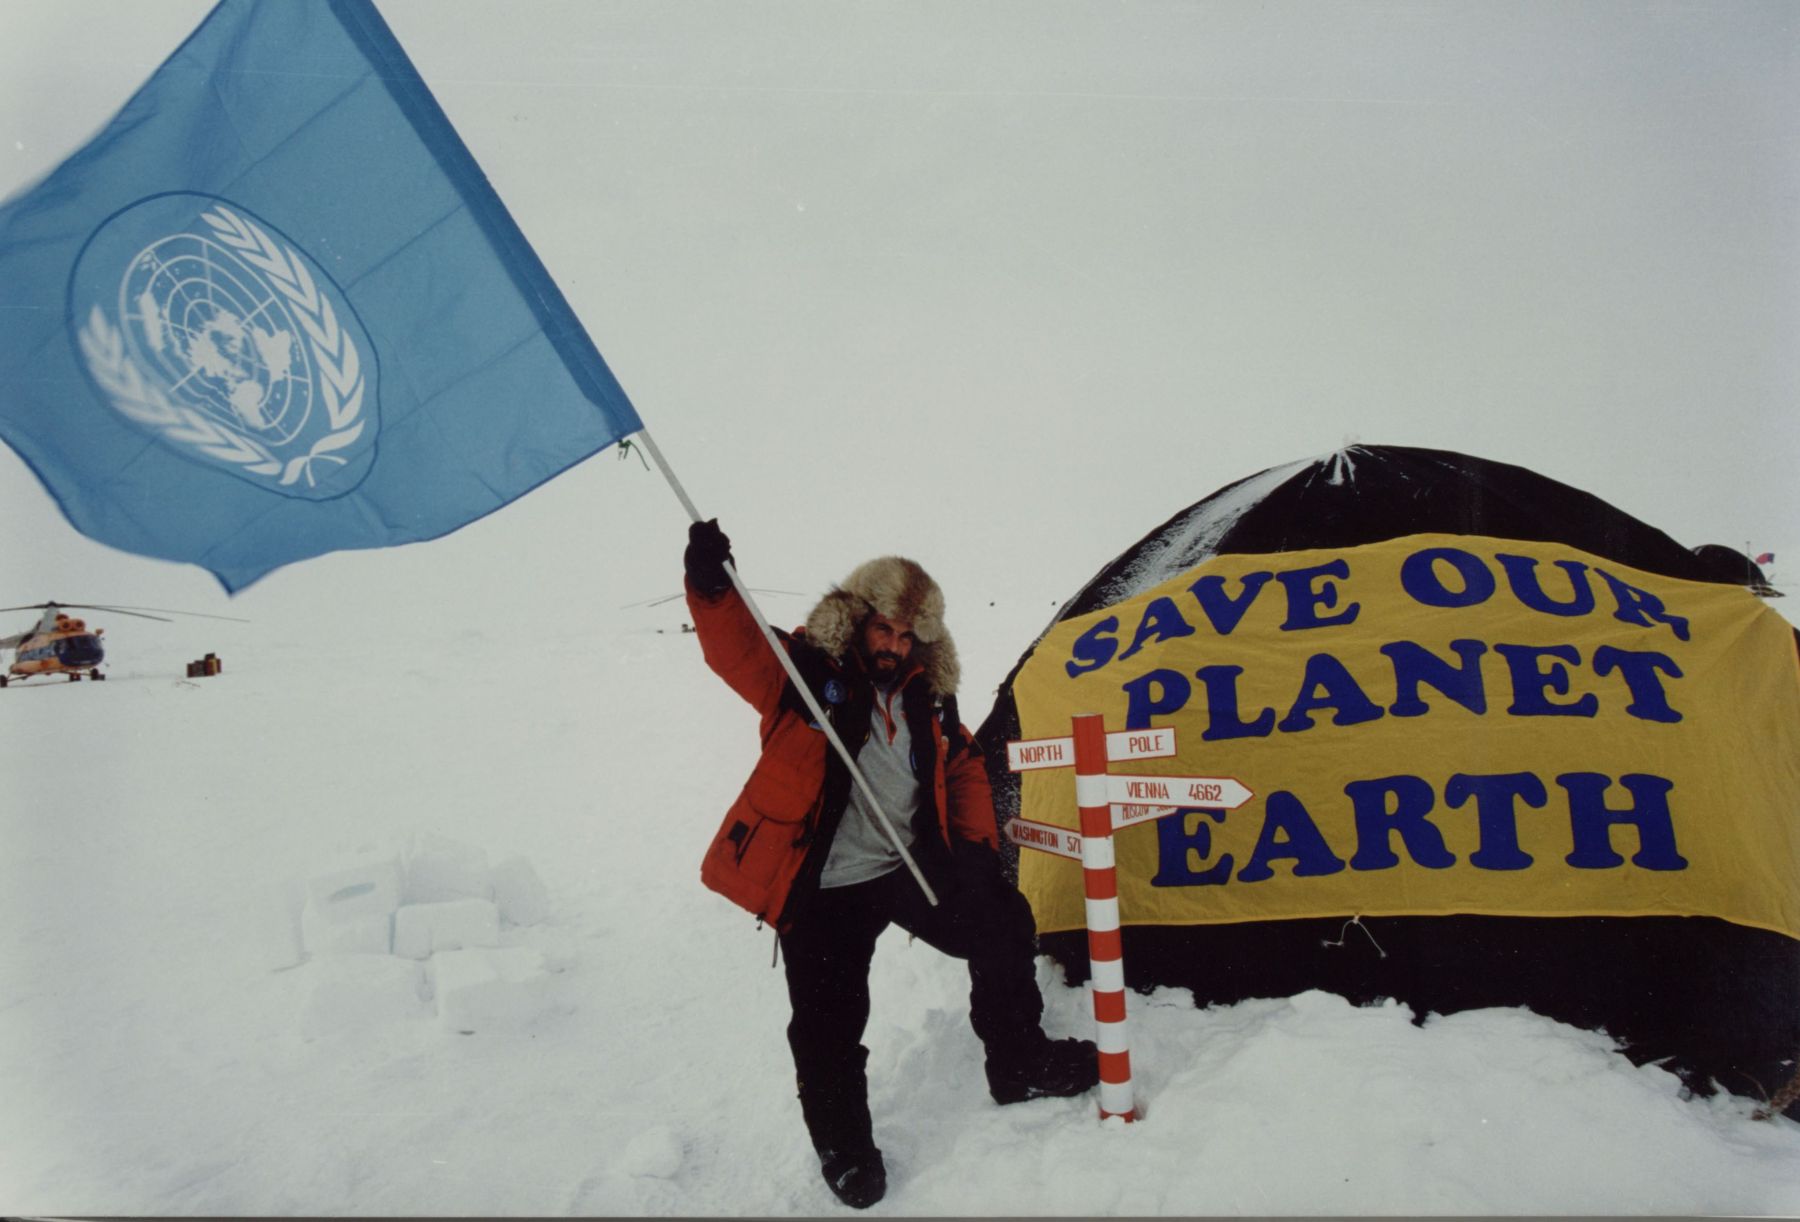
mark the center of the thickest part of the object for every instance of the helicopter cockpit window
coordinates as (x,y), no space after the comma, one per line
(81,650)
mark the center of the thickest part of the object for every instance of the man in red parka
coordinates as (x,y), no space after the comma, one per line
(801,849)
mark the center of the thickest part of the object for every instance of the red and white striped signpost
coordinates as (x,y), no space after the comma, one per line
(1106,948)
(1105,802)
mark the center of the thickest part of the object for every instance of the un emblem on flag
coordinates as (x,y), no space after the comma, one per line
(204,326)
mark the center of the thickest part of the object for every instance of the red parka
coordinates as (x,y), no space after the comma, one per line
(772,845)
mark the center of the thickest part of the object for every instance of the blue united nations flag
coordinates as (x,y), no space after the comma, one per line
(274,309)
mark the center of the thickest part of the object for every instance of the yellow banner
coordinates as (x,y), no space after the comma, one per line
(1431,725)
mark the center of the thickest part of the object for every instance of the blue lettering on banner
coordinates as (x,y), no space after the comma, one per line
(1419,578)
(1178,842)
(1414,664)
(1537,673)
(1591,821)
(1093,648)
(1223,611)
(1308,590)
(1377,819)
(1154,693)
(1289,831)
(1305,596)
(1521,575)
(1496,816)
(1222,707)
(1642,608)
(1530,680)
(1390,823)
(1161,622)
(1386,809)
(1443,577)
(1328,685)
(1648,699)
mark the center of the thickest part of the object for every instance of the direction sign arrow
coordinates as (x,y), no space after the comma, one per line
(1059,840)
(1219,792)
(1124,814)
(1060,752)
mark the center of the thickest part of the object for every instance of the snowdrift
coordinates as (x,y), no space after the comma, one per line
(1608,943)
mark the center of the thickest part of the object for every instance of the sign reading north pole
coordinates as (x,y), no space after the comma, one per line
(1106,802)
(1121,745)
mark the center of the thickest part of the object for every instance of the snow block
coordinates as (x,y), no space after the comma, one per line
(520,893)
(348,908)
(439,869)
(336,929)
(421,930)
(354,992)
(357,888)
(366,885)
(487,990)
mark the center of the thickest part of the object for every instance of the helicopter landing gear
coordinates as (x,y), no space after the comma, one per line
(95,675)
(75,678)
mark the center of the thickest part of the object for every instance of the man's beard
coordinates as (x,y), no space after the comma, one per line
(882,664)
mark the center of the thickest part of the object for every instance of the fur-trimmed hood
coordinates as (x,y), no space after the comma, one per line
(900,589)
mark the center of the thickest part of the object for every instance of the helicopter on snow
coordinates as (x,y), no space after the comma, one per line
(62,644)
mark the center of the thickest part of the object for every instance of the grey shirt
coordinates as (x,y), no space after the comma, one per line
(861,850)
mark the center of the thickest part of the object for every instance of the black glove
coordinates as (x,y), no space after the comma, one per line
(707,551)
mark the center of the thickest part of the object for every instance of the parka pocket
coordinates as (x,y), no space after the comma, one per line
(754,858)
(763,842)
(740,835)
(780,790)
(755,850)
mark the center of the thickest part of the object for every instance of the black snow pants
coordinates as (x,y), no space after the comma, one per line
(980,918)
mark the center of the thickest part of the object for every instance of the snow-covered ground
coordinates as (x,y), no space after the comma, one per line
(167,1050)
(999,285)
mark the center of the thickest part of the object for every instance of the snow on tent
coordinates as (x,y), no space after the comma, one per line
(1509,747)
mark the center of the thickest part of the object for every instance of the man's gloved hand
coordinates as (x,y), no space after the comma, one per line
(707,551)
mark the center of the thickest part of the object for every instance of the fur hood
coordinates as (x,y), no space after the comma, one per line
(899,589)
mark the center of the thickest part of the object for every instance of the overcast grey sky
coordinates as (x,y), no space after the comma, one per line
(1062,268)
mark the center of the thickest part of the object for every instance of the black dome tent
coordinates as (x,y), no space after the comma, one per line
(1716,1001)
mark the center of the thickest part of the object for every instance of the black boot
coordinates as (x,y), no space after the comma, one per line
(858,1177)
(834,1101)
(1051,1069)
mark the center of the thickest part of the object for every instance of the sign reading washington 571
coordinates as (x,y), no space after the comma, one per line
(218,336)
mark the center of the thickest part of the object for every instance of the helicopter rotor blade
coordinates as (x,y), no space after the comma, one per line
(161,619)
(164,610)
(137,611)
(669,598)
(84,607)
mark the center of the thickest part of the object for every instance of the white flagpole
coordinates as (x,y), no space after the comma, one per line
(800,685)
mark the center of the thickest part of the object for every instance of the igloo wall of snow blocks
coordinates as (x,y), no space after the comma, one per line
(482,990)
(350,910)
(359,991)
(422,930)
(399,935)
(519,893)
(438,869)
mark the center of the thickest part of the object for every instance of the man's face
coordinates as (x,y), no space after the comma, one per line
(885,644)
